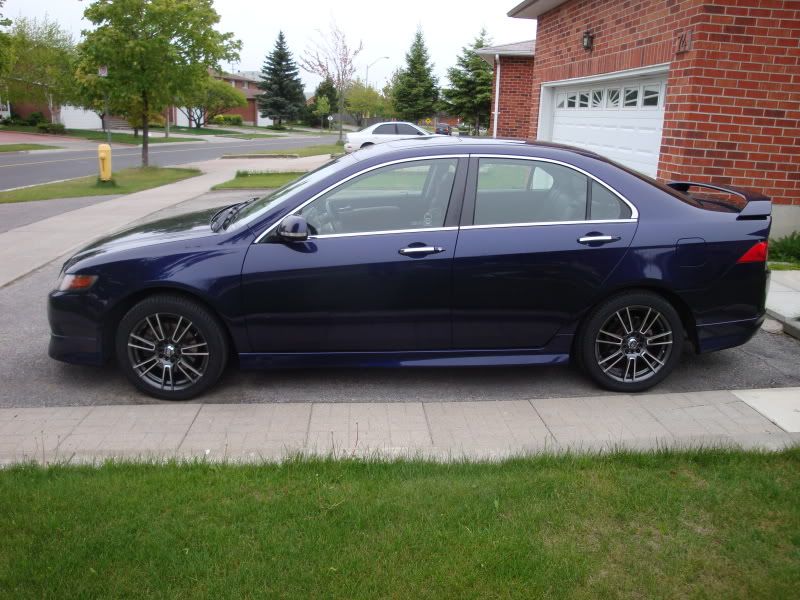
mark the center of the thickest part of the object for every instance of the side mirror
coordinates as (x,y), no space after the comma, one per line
(293,228)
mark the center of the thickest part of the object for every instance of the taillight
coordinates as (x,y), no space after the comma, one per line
(756,254)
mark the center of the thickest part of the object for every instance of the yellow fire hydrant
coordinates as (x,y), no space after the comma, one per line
(104,160)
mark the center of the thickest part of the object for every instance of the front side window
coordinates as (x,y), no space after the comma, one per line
(410,195)
(514,191)
(385,129)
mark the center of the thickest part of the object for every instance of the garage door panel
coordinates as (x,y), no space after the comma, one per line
(628,134)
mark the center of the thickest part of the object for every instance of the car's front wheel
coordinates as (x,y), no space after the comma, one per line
(171,347)
(631,342)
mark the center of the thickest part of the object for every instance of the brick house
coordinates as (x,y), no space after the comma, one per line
(247,83)
(707,90)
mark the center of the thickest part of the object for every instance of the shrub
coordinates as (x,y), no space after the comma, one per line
(786,248)
(35,118)
(227,120)
(56,128)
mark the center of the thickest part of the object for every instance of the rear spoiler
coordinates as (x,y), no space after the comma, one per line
(758,205)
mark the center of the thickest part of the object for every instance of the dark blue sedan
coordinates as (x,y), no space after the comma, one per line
(434,252)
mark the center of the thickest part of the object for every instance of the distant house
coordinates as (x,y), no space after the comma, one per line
(247,83)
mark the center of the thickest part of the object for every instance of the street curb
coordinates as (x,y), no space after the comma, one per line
(260,156)
(790,326)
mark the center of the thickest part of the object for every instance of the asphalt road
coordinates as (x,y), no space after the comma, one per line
(30,378)
(17,169)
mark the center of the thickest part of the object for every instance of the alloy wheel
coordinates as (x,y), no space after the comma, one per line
(168,351)
(633,344)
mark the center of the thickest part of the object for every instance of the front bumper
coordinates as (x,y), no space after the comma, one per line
(76,334)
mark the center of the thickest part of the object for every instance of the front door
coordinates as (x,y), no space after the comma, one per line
(375,273)
(539,243)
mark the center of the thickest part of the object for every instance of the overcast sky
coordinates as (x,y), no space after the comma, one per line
(386,28)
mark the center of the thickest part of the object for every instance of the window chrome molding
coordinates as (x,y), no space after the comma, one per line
(634,211)
(545,223)
(384,232)
(353,176)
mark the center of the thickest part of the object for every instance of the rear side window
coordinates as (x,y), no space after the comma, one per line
(385,129)
(512,191)
(606,205)
(406,129)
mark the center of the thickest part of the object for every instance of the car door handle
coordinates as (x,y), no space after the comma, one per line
(417,250)
(598,239)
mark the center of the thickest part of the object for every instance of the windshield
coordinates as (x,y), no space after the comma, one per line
(255,209)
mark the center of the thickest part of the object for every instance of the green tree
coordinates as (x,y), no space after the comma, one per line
(283,96)
(362,101)
(155,51)
(209,98)
(416,92)
(5,43)
(470,93)
(322,109)
(42,63)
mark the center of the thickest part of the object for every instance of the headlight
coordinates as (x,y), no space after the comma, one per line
(76,282)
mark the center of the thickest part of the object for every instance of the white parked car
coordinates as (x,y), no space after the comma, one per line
(381,132)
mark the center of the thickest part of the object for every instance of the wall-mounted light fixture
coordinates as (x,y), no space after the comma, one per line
(588,40)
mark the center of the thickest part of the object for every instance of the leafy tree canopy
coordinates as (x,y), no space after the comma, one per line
(470,93)
(155,51)
(211,97)
(362,101)
(283,96)
(40,63)
(416,90)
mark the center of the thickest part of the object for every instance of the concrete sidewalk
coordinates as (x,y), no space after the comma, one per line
(783,300)
(768,419)
(31,246)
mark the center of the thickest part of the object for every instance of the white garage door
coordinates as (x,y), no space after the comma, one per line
(622,119)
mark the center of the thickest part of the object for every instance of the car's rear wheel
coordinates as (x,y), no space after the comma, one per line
(171,347)
(631,342)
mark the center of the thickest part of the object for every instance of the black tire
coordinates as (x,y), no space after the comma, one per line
(179,347)
(630,361)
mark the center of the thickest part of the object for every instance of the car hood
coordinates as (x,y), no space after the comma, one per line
(171,229)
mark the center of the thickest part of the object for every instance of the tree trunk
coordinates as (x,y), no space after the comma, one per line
(341,113)
(145,130)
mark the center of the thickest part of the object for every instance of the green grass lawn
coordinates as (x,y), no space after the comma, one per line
(126,181)
(307,151)
(703,524)
(251,179)
(784,266)
(252,136)
(100,136)
(21,147)
(195,130)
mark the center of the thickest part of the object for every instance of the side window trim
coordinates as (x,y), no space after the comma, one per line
(470,195)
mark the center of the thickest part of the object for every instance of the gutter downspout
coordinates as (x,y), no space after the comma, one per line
(496,95)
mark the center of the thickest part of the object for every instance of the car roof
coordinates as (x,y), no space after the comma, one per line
(464,144)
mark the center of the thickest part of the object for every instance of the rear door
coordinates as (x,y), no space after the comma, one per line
(538,240)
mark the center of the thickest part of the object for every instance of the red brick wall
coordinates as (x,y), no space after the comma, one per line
(734,115)
(733,101)
(516,91)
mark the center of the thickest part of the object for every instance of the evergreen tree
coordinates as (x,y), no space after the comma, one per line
(283,96)
(470,93)
(327,88)
(416,92)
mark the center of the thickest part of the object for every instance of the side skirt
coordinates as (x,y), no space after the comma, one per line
(433,358)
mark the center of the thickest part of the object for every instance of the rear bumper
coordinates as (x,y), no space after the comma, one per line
(719,336)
